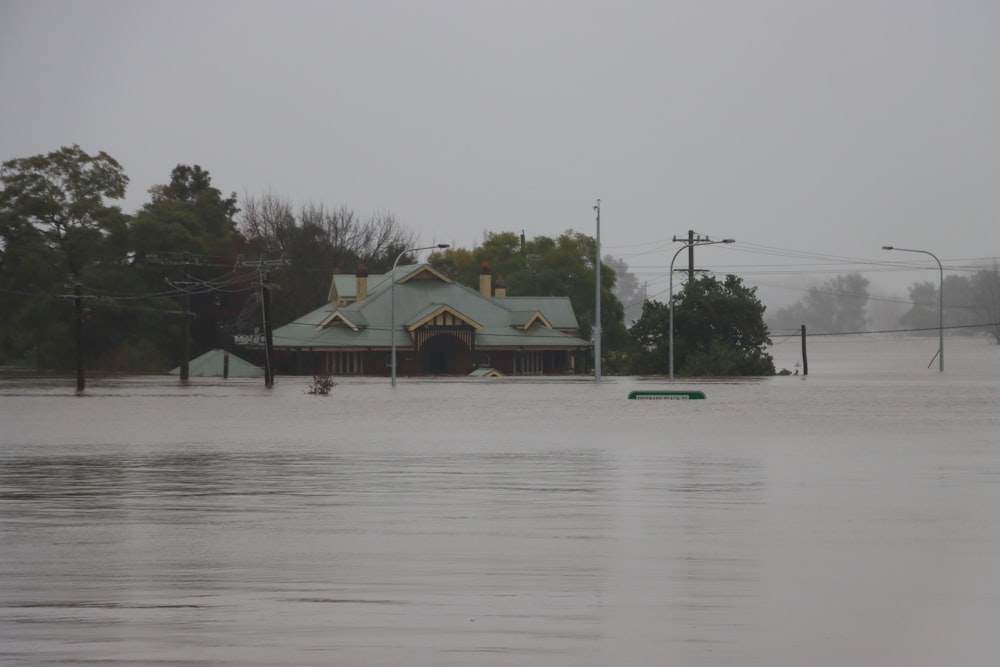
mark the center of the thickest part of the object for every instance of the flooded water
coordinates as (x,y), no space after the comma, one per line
(851,517)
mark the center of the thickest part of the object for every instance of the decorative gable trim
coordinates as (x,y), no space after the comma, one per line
(337,316)
(535,318)
(425,272)
(444,316)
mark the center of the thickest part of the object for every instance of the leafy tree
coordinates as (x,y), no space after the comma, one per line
(189,216)
(986,290)
(627,289)
(191,184)
(719,330)
(923,314)
(504,252)
(836,306)
(187,236)
(544,266)
(57,235)
(61,195)
(967,304)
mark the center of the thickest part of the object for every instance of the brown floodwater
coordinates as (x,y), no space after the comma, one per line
(851,517)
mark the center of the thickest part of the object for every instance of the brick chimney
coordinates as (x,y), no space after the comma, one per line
(486,280)
(501,287)
(361,291)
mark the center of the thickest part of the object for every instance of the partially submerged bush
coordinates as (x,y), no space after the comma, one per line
(322,384)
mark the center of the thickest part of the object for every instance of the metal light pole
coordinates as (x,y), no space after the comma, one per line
(392,301)
(940,300)
(597,301)
(690,244)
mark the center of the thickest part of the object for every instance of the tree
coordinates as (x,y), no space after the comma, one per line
(57,234)
(543,266)
(923,314)
(719,330)
(972,303)
(187,236)
(187,215)
(627,289)
(317,241)
(969,302)
(190,184)
(836,306)
(61,195)
(986,288)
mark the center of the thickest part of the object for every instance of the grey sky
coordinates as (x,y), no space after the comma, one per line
(820,128)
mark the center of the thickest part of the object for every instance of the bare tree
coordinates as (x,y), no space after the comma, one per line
(317,241)
(268,223)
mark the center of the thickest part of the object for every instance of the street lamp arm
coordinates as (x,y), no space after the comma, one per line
(441,246)
(940,299)
(923,252)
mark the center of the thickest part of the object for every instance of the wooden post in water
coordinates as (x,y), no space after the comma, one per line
(805,359)
(81,381)
(186,325)
(265,293)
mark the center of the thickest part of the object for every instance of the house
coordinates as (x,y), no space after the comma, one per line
(439,326)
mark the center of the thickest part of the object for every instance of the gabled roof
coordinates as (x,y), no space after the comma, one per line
(524,319)
(537,337)
(345,286)
(557,309)
(433,311)
(421,294)
(213,364)
(486,373)
(423,272)
(352,317)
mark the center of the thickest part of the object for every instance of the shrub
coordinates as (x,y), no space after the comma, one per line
(321,385)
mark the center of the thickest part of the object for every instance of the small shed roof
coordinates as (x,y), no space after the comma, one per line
(486,373)
(211,364)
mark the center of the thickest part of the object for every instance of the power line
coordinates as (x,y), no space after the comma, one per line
(263,267)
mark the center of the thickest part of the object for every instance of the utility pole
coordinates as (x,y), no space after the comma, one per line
(691,241)
(80,315)
(690,255)
(184,285)
(704,240)
(81,382)
(186,323)
(265,310)
(597,300)
(265,305)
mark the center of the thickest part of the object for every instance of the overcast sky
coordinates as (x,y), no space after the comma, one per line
(811,132)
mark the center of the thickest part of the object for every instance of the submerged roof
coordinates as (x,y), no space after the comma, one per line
(212,364)
(422,294)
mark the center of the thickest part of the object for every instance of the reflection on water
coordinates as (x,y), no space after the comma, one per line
(850,517)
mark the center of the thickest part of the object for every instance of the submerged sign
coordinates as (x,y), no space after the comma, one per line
(682,395)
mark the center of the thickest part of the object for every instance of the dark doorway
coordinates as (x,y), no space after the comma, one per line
(439,355)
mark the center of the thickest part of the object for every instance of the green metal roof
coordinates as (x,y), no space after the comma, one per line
(557,309)
(346,285)
(418,295)
(212,364)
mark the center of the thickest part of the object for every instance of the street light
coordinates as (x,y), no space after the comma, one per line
(597,300)
(671,302)
(392,301)
(940,300)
